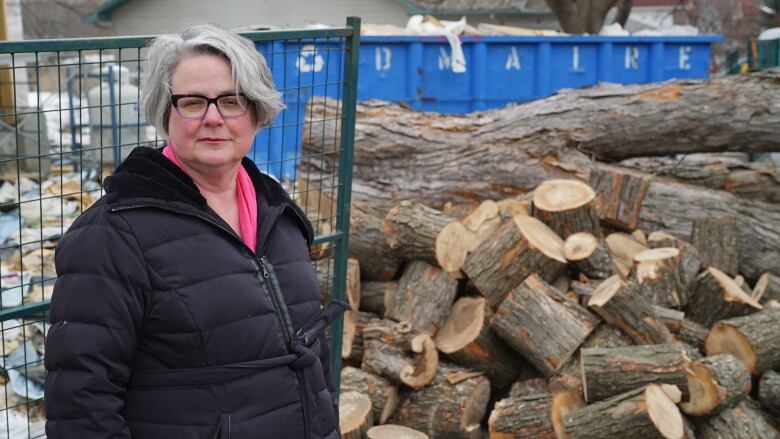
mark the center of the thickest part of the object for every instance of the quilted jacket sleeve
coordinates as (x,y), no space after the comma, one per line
(96,314)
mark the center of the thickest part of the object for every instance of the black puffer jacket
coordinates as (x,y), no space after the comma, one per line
(166,326)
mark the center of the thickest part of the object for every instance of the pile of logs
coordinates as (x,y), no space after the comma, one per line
(532,317)
(533,272)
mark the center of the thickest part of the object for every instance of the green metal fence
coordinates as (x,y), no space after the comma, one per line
(70,113)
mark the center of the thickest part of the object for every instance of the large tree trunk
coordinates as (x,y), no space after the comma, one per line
(402,154)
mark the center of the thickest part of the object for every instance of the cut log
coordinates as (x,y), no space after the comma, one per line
(624,247)
(423,297)
(391,350)
(672,318)
(767,288)
(367,241)
(753,339)
(769,393)
(411,230)
(658,271)
(715,383)
(392,431)
(640,236)
(353,284)
(352,338)
(589,255)
(542,325)
(487,210)
(692,334)
(519,248)
(619,303)
(744,421)
(531,386)
(566,206)
(608,372)
(620,195)
(466,340)
(690,260)
(754,180)
(502,153)
(537,416)
(354,415)
(486,230)
(569,377)
(646,412)
(382,392)
(374,294)
(444,409)
(714,296)
(717,239)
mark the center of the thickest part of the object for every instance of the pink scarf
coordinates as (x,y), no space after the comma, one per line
(245,195)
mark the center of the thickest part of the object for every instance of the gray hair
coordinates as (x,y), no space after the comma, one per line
(251,74)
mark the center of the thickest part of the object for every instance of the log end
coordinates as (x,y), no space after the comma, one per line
(579,246)
(563,402)
(703,388)
(605,291)
(664,413)
(452,245)
(562,195)
(541,237)
(462,326)
(726,339)
(354,412)
(392,431)
(731,291)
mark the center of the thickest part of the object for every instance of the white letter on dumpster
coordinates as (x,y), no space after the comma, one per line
(632,58)
(444,59)
(513,60)
(685,58)
(382,52)
(575,58)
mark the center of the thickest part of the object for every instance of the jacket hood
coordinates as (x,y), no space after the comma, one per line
(147,174)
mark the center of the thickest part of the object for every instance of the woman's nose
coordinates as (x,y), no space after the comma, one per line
(212,114)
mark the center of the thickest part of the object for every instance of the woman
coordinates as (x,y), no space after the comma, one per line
(186,305)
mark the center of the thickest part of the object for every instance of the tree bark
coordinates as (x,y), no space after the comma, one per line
(352,339)
(758,181)
(611,371)
(423,297)
(769,393)
(744,421)
(367,241)
(540,324)
(374,294)
(717,239)
(528,417)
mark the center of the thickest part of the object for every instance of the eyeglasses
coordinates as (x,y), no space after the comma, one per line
(191,106)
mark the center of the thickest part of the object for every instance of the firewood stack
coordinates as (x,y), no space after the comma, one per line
(553,316)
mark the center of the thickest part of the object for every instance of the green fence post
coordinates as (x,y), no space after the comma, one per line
(348,106)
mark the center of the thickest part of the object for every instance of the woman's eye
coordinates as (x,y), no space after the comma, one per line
(190,103)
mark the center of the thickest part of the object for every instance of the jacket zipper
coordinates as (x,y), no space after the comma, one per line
(267,278)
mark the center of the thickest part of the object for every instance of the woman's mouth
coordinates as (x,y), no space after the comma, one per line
(212,139)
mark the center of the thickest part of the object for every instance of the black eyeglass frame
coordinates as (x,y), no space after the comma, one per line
(175,103)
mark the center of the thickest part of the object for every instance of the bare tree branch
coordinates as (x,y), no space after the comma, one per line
(567,13)
(624,10)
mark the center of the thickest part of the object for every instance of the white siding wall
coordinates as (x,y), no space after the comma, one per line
(144,17)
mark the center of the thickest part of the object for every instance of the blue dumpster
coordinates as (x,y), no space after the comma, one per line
(500,70)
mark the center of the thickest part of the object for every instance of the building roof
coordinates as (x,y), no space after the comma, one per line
(452,7)
(104,11)
(468,7)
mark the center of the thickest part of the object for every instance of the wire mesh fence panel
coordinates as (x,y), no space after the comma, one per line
(70,113)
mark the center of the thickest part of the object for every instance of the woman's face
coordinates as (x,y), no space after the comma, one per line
(214,142)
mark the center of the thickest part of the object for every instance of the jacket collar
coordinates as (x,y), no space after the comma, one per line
(146,175)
